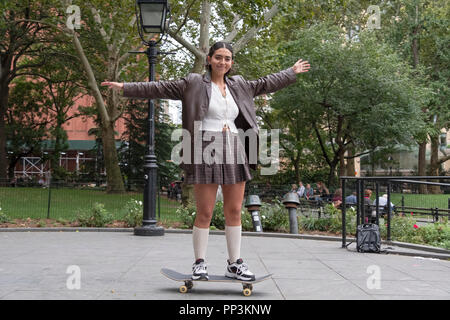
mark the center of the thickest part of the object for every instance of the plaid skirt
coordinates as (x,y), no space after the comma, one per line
(222,162)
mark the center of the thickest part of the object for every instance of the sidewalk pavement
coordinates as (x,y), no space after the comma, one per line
(120,265)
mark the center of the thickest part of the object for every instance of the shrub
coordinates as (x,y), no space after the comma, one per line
(3,217)
(187,215)
(331,222)
(274,216)
(218,218)
(133,213)
(97,217)
(405,229)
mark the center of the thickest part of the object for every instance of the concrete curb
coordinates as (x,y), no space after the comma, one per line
(414,249)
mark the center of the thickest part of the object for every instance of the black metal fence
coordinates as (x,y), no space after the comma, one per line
(66,200)
(422,197)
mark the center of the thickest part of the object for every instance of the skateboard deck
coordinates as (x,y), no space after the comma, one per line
(189,283)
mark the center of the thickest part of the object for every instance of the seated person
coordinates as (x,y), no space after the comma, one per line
(351,199)
(337,198)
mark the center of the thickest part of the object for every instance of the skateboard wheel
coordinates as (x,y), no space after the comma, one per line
(247,292)
(189,285)
(183,289)
(247,286)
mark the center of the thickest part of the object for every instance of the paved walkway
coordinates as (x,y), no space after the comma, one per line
(119,265)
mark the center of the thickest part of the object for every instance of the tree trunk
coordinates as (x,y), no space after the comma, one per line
(351,170)
(297,169)
(113,175)
(205,21)
(342,165)
(4,92)
(332,173)
(434,163)
(422,166)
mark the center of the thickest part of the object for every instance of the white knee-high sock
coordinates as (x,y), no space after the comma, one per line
(233,235)
(200,241)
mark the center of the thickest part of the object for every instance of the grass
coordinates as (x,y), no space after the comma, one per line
(66,203)
(421,200)
(22,203)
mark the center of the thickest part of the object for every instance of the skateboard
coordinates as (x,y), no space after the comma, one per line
(189,283)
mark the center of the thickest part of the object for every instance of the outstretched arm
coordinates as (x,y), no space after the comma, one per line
(279,80)
(153,90)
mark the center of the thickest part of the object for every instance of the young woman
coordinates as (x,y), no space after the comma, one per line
(218,105)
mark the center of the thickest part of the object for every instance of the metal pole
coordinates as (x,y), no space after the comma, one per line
(257,226)
(403,205)
(358,202)
(377,191)
(389,212)
(363,205)
(159,197)
(344,231)
(49,199)
(293,224)
(149,227)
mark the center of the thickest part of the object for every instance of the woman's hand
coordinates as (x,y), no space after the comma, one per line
(113,85)
(301,66)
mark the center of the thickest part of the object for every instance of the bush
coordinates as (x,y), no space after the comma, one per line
(274,217)
(218,218)
(97,217)
(187,215)
(331,222)
(405,229)
(3,217)
(133,213)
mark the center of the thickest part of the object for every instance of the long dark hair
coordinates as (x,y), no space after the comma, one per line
(216,46)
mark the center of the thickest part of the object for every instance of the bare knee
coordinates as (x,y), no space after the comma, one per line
(203,219)
(232,216)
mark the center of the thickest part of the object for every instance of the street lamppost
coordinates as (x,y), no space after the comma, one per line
(151,19)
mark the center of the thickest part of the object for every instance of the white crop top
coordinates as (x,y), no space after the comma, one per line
(222,110)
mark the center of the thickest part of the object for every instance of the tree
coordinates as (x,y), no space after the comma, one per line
(419,32)
(60,88)
(26,122)
(351,97)
(232,21)
(21,35)
(132,150)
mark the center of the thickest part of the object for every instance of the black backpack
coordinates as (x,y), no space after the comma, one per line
(368,238)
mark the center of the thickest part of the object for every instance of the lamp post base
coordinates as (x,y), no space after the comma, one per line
(151,230)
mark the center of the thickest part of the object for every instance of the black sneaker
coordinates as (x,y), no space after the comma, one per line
(239,270)
(199,270)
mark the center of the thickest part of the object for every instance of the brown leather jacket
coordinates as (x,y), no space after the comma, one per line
(194,91)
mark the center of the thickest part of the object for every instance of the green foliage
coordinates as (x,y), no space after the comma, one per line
(3,217)
(96,217)
(133,213)
(186,215)
(274,217)
(331,222)
(350,97)
(405,229)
